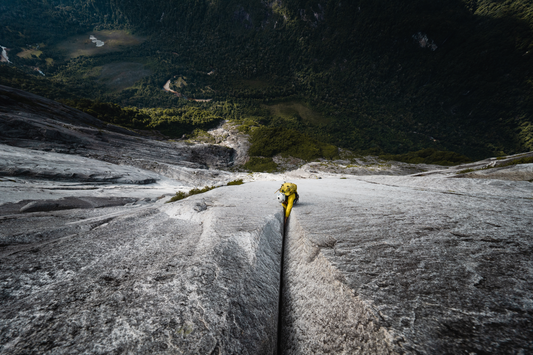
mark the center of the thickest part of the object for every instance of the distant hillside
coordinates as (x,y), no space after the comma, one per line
(381,76)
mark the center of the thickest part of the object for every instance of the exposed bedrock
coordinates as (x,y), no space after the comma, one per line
(408,265)
(320,313)
(380,265)
(23,162)
(49,166)
(93,261)
(31,121)
(199,276)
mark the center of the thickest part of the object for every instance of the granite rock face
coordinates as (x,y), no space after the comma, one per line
(375,264)
(33,122)
(92,261)
(199,276)
(229,136)
(36,164)
(406,265)
(522,172)
(500,168)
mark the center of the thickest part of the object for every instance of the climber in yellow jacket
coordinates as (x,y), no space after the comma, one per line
(288,197)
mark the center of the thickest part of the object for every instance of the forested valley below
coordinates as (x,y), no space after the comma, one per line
(451,80)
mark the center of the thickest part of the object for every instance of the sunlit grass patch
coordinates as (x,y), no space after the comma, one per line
(289,110)
(235,182)
(115,40)
(27,53)
(121,75)
(180,195)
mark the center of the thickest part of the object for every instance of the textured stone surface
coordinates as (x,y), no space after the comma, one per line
(363,166)
(403,264)
(499,168)
(92,261)
(229,136)
(321,314)
(199,276)
(55,166)
(31,121)
(522,172)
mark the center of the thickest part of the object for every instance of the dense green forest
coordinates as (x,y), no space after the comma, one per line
(381,76)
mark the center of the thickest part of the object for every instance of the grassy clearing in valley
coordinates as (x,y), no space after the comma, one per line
(289,110)
(121,75)
(115,41)
(178,83)
(27,53)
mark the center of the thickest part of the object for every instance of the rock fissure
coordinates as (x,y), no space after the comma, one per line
(93,261)
(410,272)
(318,312)
(279,347)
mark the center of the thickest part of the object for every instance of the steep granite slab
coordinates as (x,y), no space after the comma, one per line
(199,276)
(31,121)
(521,172)
(65,167)
(409,265)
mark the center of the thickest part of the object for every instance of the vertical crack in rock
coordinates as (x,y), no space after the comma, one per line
(319,314)
(279,349)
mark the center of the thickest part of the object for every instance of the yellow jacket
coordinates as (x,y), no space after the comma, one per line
(289,190)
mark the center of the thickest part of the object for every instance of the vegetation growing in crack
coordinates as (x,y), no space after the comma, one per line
(525,160)
(180,195)
(468,170)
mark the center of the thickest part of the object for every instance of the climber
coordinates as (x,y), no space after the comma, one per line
(288,196)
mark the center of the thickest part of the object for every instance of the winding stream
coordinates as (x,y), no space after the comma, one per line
(96,41)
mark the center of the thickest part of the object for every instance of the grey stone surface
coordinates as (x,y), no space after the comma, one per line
(31,121)
(522,172)
(66,203)
(362,166)
(30,175)
(491,168)
(93,262)
(65,167)
(404,265)
(199,276)
(228,135)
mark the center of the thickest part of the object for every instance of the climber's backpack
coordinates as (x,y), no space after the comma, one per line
(288,188)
